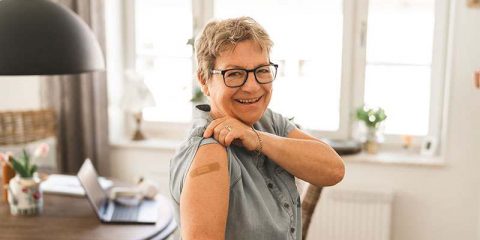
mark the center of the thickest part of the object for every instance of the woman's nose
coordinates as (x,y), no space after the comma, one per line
(251,84)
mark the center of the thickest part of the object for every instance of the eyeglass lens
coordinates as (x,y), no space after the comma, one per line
(236,77)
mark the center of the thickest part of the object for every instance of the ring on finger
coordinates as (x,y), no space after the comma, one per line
(229,128)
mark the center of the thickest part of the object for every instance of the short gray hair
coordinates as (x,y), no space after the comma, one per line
(221,35)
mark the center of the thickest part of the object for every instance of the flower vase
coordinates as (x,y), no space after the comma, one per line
(373,139)
(25,196)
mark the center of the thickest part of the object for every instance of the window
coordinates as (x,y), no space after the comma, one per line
(334,56)
(401,53)
(398,68)
(162,55)
(308,71)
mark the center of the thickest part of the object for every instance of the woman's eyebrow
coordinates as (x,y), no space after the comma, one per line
(230,66)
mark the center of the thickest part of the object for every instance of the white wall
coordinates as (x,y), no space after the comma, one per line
(130,164)
(431,203)
(19,93)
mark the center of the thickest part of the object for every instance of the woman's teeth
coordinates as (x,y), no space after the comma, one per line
(248,101)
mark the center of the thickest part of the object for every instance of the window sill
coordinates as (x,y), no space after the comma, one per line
(149,144)
(390,157)
(396,158)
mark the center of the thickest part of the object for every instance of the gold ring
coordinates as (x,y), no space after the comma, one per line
(229,128)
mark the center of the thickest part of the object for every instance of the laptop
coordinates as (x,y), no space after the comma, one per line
(109,211)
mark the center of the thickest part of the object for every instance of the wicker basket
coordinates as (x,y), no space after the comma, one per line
(26,126)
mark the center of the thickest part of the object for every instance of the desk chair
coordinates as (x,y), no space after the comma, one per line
(312,194)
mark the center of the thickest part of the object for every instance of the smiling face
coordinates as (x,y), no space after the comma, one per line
(248,102)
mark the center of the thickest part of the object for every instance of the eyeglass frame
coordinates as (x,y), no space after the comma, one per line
(222,72)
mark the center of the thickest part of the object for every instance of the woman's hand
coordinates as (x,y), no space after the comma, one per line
(228,130)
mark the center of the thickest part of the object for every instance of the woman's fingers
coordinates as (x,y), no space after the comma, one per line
(221,136)
(209,131)
(229,138)
(227,131)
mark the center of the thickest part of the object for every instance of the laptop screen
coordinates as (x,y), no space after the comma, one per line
(89,179)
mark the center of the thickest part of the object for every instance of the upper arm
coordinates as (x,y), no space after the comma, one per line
(205,195)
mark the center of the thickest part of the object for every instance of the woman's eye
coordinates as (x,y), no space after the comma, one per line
(233,74)
(263,70)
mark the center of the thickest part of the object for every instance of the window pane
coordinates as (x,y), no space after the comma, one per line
(404,93)
(399,56)
(307,39)
(163,28)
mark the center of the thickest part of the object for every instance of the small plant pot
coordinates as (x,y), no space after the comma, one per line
(25,196)
(373,139)
(372,147)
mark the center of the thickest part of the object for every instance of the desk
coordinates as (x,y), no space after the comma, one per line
(69,217)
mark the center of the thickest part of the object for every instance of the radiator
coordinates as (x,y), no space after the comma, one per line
(352,214)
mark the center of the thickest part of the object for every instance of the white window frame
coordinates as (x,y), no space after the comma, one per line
(201,12)
(438,69)
(352,76)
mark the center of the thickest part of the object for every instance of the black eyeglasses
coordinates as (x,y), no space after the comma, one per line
(238,77)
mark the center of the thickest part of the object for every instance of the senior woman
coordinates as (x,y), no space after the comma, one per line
(234,176)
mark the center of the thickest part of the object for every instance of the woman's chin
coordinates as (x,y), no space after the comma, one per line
(250,118)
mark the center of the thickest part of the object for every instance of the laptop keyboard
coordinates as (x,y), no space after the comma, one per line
(125,213)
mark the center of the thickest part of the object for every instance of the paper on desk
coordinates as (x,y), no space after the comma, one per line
(68,184)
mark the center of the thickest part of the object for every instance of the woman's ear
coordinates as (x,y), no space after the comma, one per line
(203,83)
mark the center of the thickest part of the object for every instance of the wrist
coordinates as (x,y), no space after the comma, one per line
(259,142)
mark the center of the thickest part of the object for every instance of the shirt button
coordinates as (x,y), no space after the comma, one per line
(286,205)
(292,230)
(270,185)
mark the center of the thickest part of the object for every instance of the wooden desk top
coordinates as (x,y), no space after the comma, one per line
(69,217)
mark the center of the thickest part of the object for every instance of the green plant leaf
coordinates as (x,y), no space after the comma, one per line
(26,159)
(362,114)
(370,116)
(33,169)
(197,96)
(19,168)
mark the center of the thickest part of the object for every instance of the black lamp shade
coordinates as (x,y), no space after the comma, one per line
(39,37)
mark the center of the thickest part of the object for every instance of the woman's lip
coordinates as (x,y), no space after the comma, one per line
(258,100)
(249,98)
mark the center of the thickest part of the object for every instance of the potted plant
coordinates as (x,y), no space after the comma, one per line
(372,119)
(24,194)
(198,96)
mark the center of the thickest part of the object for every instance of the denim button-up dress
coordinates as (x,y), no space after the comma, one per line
(264,202)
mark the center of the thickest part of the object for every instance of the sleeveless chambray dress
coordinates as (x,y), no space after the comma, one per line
(264,202)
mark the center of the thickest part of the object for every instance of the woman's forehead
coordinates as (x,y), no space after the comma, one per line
(243,54)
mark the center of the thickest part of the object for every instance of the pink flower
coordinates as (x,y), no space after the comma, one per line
(5,157)
(42,150)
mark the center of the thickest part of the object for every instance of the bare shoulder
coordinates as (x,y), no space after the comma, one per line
(209,164)
(204,199)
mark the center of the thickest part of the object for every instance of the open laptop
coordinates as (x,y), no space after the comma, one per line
(109,211)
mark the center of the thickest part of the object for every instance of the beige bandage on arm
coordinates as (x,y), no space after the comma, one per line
(208,168)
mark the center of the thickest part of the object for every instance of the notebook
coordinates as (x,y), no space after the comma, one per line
(109,211)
